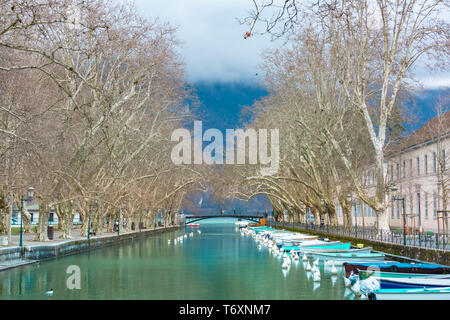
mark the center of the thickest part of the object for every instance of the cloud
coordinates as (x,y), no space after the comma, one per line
(213,44)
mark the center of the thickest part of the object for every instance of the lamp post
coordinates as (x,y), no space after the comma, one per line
(323,203)
(21,221)
(394,191)
(349,200)
(118,224)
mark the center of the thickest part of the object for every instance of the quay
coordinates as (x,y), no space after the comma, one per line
(439,254)
(16,256)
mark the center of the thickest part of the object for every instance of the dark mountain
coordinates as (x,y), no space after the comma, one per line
(220,107)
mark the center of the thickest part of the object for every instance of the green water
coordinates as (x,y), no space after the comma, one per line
(217,264)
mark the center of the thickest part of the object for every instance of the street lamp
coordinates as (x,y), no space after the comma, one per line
(349,200)
(21,222)
(323,203)
(394,191)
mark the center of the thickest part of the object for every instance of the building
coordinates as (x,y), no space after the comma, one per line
(32,206)
(418,166)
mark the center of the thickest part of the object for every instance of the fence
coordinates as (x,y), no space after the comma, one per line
(427,239)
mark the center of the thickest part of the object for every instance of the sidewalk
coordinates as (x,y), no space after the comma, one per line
(28,239)
(33,251)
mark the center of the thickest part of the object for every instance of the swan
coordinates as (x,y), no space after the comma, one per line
(49,292)
(355,288)
(314,268)
(316,262)
(285,265)
(347,282)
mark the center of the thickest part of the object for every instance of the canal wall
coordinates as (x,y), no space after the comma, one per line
(414,253)
(11,257)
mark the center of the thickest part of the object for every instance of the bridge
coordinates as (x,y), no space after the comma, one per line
(255,219)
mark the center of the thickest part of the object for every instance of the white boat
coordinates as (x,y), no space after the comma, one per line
(419,282)
(242,224)
(414,294)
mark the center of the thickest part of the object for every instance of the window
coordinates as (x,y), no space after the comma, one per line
(434,162)
(418,205)
(411,204)
(404,169)
(410,168)
(398,171)
(434,204)
(426,205)
(392,172)
(425,164)
(418,165)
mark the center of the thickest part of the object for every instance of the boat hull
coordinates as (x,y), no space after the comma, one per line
(416,282)
(396,267)
(413,294)
(349,256)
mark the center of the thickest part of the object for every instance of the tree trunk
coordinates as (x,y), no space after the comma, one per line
(26,219)
(44,213)
(382,214)
(332,216)
(347,215)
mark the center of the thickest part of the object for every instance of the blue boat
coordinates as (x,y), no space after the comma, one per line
(436,281)
(340,246)
(414,294)
(395,269)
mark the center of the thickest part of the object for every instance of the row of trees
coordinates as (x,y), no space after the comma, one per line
(337,92)
(90,92)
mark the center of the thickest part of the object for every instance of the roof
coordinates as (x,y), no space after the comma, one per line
(437,127)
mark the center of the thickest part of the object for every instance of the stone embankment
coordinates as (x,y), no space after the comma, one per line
(15,256)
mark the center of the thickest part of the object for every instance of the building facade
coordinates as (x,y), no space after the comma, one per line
(418,167)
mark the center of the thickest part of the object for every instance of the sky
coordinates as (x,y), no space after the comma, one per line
(213,45)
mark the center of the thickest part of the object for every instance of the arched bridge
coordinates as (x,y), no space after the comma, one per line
(255,219)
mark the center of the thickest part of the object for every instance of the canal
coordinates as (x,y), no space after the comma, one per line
(217,263)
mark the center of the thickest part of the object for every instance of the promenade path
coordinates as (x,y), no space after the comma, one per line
(29,241)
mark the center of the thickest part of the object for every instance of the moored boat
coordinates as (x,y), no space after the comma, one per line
(350,256)
(326,247)
(311,251)
(415,282)
(414,294)
(395,269)
(193,225)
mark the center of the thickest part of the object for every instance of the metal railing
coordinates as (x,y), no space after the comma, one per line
(428,240)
